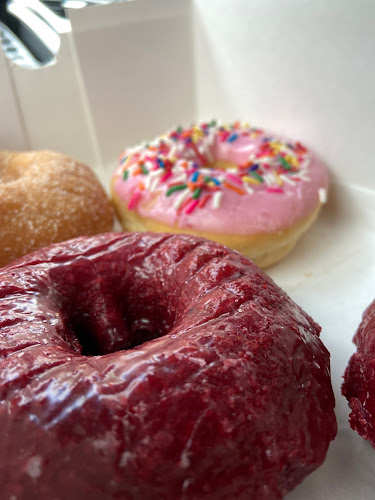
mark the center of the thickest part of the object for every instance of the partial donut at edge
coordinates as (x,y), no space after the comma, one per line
(359,378)
(47,197)
(234,400)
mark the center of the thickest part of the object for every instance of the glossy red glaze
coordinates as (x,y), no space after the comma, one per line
(231,399)
(359,378)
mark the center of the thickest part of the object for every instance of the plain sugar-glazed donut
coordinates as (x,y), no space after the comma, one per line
(153,366)
(359,378)
(46,197)
(234,184)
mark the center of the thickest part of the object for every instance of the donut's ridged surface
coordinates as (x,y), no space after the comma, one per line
(359,378)
(233,400)
(46,197)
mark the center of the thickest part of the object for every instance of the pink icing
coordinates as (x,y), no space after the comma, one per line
(270,207)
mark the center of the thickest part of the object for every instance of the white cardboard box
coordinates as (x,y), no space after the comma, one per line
(299,67)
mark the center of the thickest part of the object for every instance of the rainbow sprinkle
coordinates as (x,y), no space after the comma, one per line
(182,162)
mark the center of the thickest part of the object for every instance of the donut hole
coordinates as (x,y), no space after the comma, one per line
(143,330)
(147,314)
(104,330)
(104,313)
(113,329)
(222,165)
(87,344)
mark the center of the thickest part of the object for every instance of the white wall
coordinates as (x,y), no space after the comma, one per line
(136,60)
(305,68)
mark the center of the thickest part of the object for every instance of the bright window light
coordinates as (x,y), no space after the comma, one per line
(74,4)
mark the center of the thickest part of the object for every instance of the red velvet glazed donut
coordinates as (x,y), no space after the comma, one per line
(231,399)
(359,378)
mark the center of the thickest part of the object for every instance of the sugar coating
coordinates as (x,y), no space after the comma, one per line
(47,197)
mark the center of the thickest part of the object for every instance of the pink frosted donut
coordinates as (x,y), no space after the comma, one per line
(233,184)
